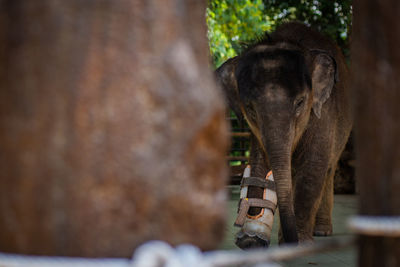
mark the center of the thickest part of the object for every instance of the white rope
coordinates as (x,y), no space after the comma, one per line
(388,226)
(161,254)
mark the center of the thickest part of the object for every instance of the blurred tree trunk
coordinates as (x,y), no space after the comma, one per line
(111,130)
(376,64)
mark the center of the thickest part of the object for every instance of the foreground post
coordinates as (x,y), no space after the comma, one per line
(376,69)
(111,131)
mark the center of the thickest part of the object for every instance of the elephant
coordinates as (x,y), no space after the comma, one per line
(291,86)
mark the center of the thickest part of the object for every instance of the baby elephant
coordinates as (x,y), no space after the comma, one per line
(292,88)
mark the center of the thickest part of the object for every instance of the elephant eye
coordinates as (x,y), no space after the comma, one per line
(299,105)
(251,113)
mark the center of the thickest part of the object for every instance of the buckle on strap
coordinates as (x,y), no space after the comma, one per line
(259,182)
(246,203)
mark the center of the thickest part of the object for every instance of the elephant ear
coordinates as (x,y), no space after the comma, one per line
(324,76)
(226,78)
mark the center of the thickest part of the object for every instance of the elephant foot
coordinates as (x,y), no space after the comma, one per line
(305,238)
(251,240)
(322,230)
(322,233)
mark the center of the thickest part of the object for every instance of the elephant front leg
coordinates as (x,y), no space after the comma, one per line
(258,194)
(323,220)
(259,168)
(310,183)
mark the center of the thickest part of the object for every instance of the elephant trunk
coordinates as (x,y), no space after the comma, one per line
(279,147)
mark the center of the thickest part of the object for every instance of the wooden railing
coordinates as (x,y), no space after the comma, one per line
(239,150)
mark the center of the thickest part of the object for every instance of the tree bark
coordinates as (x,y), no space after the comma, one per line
(111,130)
(376,69)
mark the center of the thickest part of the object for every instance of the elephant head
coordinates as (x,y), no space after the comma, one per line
(278,88)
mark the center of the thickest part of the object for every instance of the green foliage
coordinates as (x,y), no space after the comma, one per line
(233,22)
(333,18)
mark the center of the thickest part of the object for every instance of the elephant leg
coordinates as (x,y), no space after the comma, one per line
(323,220)
(259,168)
(309,188)
(244,238)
